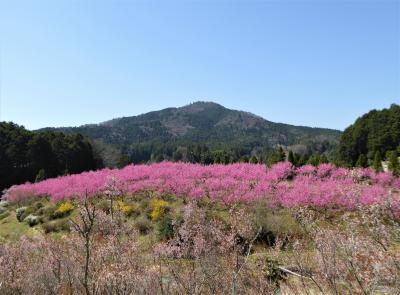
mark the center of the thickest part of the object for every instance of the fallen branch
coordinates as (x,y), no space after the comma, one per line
(292,273)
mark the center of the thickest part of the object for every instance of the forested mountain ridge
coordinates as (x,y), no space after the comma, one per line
(204,123)
(371,136)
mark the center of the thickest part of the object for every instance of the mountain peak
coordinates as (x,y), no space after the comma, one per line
(201,105)
(207,123)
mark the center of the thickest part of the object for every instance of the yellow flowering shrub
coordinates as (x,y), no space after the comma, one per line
(64,209)
(126,209)
(159,208)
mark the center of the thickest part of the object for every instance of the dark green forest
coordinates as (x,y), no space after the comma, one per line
(203,133)
(34,156)
(374,135)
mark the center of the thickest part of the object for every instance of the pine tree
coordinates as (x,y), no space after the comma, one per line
(253,160)
(282,155)
(362,161)
(41,175)
(314,160)
(291,158)
(323,159)
(243,159)
(394,163)
(377,162)
(303,160)
(276,156)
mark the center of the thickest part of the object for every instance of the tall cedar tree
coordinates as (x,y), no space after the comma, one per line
(362,161)
(394,163)
(378,162)
(291,158)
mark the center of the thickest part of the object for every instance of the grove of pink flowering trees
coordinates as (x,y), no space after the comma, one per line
(283,185)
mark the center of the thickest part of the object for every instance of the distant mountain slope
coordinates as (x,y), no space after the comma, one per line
(376,131)
(202,122)
(205,123)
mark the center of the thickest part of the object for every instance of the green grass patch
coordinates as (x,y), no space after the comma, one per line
(11,229)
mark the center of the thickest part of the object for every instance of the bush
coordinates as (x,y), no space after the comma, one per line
(38,205)
(127,209)
(144,206)
(159,209)
(274,223)
(143,225)
(32,220)
(56,226)
(165,228)
(24,212)
(104,205)
(64,209)
(20,212)
(47,212)
(4,203)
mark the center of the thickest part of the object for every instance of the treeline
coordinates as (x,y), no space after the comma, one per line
(372,138)
(203,154)
(34,156)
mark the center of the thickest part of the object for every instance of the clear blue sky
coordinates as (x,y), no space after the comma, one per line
(316,63)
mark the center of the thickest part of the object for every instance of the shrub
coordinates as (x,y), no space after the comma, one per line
(38,205)
(23,212)
(20,212)
(4,204)
(275,224)
(144,206)
(32,220)
(63,210)
(104,205)
(272,272)
(127,209)
(47,212)
(165,228)
(56,226)
(159,208)
(143,225)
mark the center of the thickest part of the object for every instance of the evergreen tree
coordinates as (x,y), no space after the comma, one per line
(303,160)
(362,161)
(253,160)
(314,160)
(276,156)
(323,159)
(377,165)
(281,154)
(394,163)
(123,161)
(41,175)
(177,156)
(291,158)
(297,159)
(244,159)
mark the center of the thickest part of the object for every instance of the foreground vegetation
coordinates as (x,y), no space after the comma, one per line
(191,229)
(159,244)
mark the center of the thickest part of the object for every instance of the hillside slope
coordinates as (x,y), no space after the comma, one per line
(375,131)
(208,124)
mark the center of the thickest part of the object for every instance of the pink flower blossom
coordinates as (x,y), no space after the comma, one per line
(282,184)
